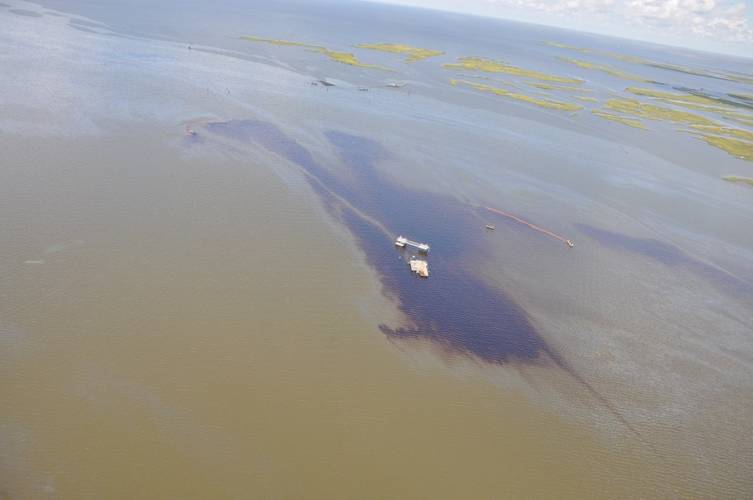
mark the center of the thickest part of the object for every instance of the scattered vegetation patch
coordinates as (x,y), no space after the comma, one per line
(738,143)
(720,130)
(544,103)
(735,147)
(742,119)
(277,41)
(347,58)
(604,69)
(719,75)
(741,96)
(732,77)
(625,57)
(740,77)
(672,96)
(738,179)
(652,112)
(491,66)
(561,88)
(586,98)
(613,55)
(568,47)
(630,122)
(684,69)
(708,104)
(337,56)
(413,54)
(694,98)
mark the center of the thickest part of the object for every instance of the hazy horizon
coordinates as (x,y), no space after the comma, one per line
(702,25)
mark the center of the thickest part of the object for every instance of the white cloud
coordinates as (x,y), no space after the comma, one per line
(699,23)
(709,18)
(562,6)
(719,19)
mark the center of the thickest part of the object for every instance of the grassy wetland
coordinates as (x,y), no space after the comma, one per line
(653,112)
(720,130)
(735,147)
(413,54)
(731,76)
(560,92)
(674,97)
(630,122)
(348,58)
(544,103)
(557,88)
(744,97)
(334,55)
(738,179)
(492,66)
(278,41)
(603,68)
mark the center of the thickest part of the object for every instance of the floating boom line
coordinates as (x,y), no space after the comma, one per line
(532,226)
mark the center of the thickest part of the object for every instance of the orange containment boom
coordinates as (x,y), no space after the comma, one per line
(532,226)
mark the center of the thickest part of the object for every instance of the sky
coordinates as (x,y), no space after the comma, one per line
(712,25)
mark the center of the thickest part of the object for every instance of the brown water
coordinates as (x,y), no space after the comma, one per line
(207,333)
(217,316)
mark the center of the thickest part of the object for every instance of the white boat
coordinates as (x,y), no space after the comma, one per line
(402,242)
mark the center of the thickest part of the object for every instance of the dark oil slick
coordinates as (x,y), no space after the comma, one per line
(669,255)
(453,309)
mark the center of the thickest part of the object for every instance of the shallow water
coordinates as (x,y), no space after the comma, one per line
(216,308)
